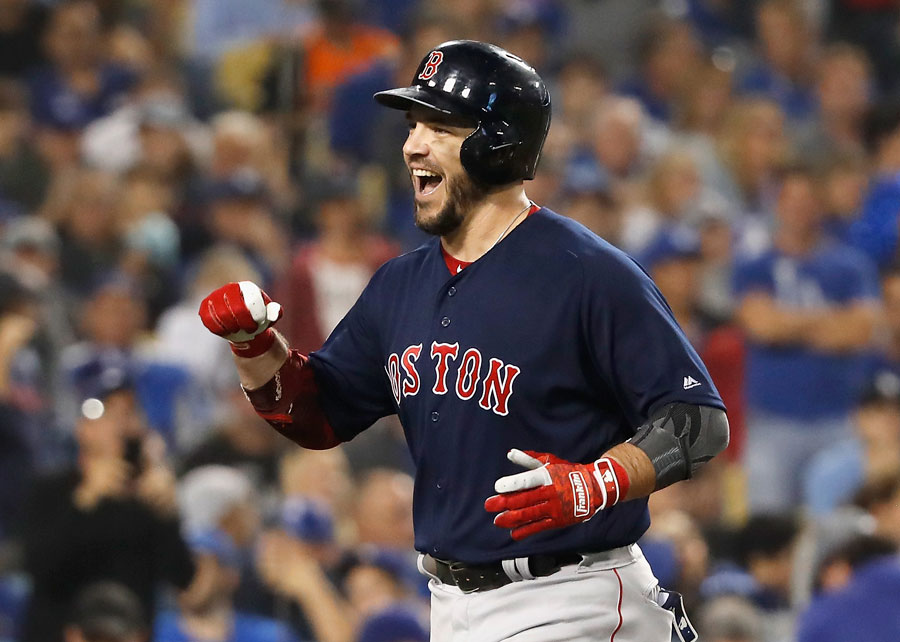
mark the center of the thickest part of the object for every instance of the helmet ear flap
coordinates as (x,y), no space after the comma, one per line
(487,154)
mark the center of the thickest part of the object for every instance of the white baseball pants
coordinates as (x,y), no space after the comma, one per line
(608,597)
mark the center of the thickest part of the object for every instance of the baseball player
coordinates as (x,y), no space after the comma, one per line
(543,384)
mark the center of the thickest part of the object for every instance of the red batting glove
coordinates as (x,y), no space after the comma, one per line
(554,493)
(242,314)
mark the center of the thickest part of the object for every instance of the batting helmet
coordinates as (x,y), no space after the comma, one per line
(498,91)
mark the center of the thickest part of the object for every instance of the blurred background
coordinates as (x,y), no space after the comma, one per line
(746,153)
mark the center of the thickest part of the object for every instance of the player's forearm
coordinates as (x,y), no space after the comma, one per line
(289,401)
(637,465)
(255,372)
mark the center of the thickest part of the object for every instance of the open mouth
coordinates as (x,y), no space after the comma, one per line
(426,181)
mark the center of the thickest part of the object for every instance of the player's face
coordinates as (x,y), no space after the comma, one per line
(443,190)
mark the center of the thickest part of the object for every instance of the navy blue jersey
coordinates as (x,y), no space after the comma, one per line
(552,341)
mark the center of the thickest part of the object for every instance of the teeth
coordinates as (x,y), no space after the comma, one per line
(424,173)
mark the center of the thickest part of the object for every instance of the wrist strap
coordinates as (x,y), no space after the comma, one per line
(612,479)
(256,346)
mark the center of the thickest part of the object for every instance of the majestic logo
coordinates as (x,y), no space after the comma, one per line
(431,67)
(690,382)
(492,378)
(580,492)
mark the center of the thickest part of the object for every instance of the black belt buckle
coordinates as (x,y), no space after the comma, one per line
(682,629)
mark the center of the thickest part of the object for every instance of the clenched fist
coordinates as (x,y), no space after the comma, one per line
(241,313)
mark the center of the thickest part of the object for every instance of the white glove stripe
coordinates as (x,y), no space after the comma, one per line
(599,477)
(523,481)
(272,311)
(523,459)
(253,300)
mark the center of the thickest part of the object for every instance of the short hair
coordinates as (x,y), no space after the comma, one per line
(656,30)
(855,551)
(860,550)
(108,611)
(848,51)
(766,535)
(881,121)
(877,491)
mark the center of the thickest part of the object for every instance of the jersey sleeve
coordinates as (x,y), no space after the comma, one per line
(636,345)
(354,390)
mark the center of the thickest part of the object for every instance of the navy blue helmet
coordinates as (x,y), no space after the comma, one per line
(499,92)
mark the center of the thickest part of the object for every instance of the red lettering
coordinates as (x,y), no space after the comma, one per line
(431,67)
(501,391)
(443,352)
(469,374)
(411,382)
(393,372)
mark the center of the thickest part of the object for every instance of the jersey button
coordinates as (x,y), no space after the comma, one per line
(435,415)
(451,291)
(445,321)
(441,484)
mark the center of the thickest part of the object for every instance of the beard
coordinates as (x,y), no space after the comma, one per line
(463,193)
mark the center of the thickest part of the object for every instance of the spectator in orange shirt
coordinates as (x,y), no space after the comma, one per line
(341,47)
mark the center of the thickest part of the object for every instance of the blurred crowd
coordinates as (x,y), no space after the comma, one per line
(746,153)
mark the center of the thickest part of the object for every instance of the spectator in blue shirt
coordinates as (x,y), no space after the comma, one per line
(78,86)
(844,88)
(207,611)
(876,231)
(845,179)
(783,74)
(860,582)
(668,53)
(839,471)
(808,307)
(885,357)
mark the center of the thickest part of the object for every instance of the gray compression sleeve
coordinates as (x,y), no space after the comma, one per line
(679,438)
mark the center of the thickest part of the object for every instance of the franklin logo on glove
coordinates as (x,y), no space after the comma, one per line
(554,493)
(579,488)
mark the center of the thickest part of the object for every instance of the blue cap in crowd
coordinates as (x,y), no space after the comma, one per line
(586,178)
(245,183)
(307,519)
(670,244)
(393,624)
(216,543)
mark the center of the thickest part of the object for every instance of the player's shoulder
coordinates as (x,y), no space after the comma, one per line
(408,262)
(558,234)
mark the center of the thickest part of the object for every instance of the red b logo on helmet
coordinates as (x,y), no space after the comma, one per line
(431,67)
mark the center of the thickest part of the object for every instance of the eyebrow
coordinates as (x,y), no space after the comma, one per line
(444,120)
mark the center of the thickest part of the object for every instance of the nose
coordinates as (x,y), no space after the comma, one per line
(416,143)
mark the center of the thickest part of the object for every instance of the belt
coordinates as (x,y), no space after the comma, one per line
(471,578)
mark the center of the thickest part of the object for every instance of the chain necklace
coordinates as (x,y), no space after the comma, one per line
(503,233)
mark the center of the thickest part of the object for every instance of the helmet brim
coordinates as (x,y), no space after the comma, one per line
(405,97)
